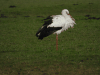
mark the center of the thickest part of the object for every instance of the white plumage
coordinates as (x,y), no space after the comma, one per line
(65,21)
(56,24)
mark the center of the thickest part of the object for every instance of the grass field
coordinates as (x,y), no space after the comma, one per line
(21,53)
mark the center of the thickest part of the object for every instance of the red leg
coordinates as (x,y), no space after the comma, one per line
(56,42)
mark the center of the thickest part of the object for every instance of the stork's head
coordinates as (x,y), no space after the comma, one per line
(65,11)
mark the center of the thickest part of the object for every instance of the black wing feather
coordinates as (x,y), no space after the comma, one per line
(47,21)
(44,31)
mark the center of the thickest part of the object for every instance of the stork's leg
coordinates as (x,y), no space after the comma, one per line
(56,42)
(72,27)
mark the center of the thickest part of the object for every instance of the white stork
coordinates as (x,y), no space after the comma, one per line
(56,24)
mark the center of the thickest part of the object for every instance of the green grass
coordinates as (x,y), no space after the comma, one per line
(21,53)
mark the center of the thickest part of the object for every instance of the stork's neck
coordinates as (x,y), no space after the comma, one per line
(64,14)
